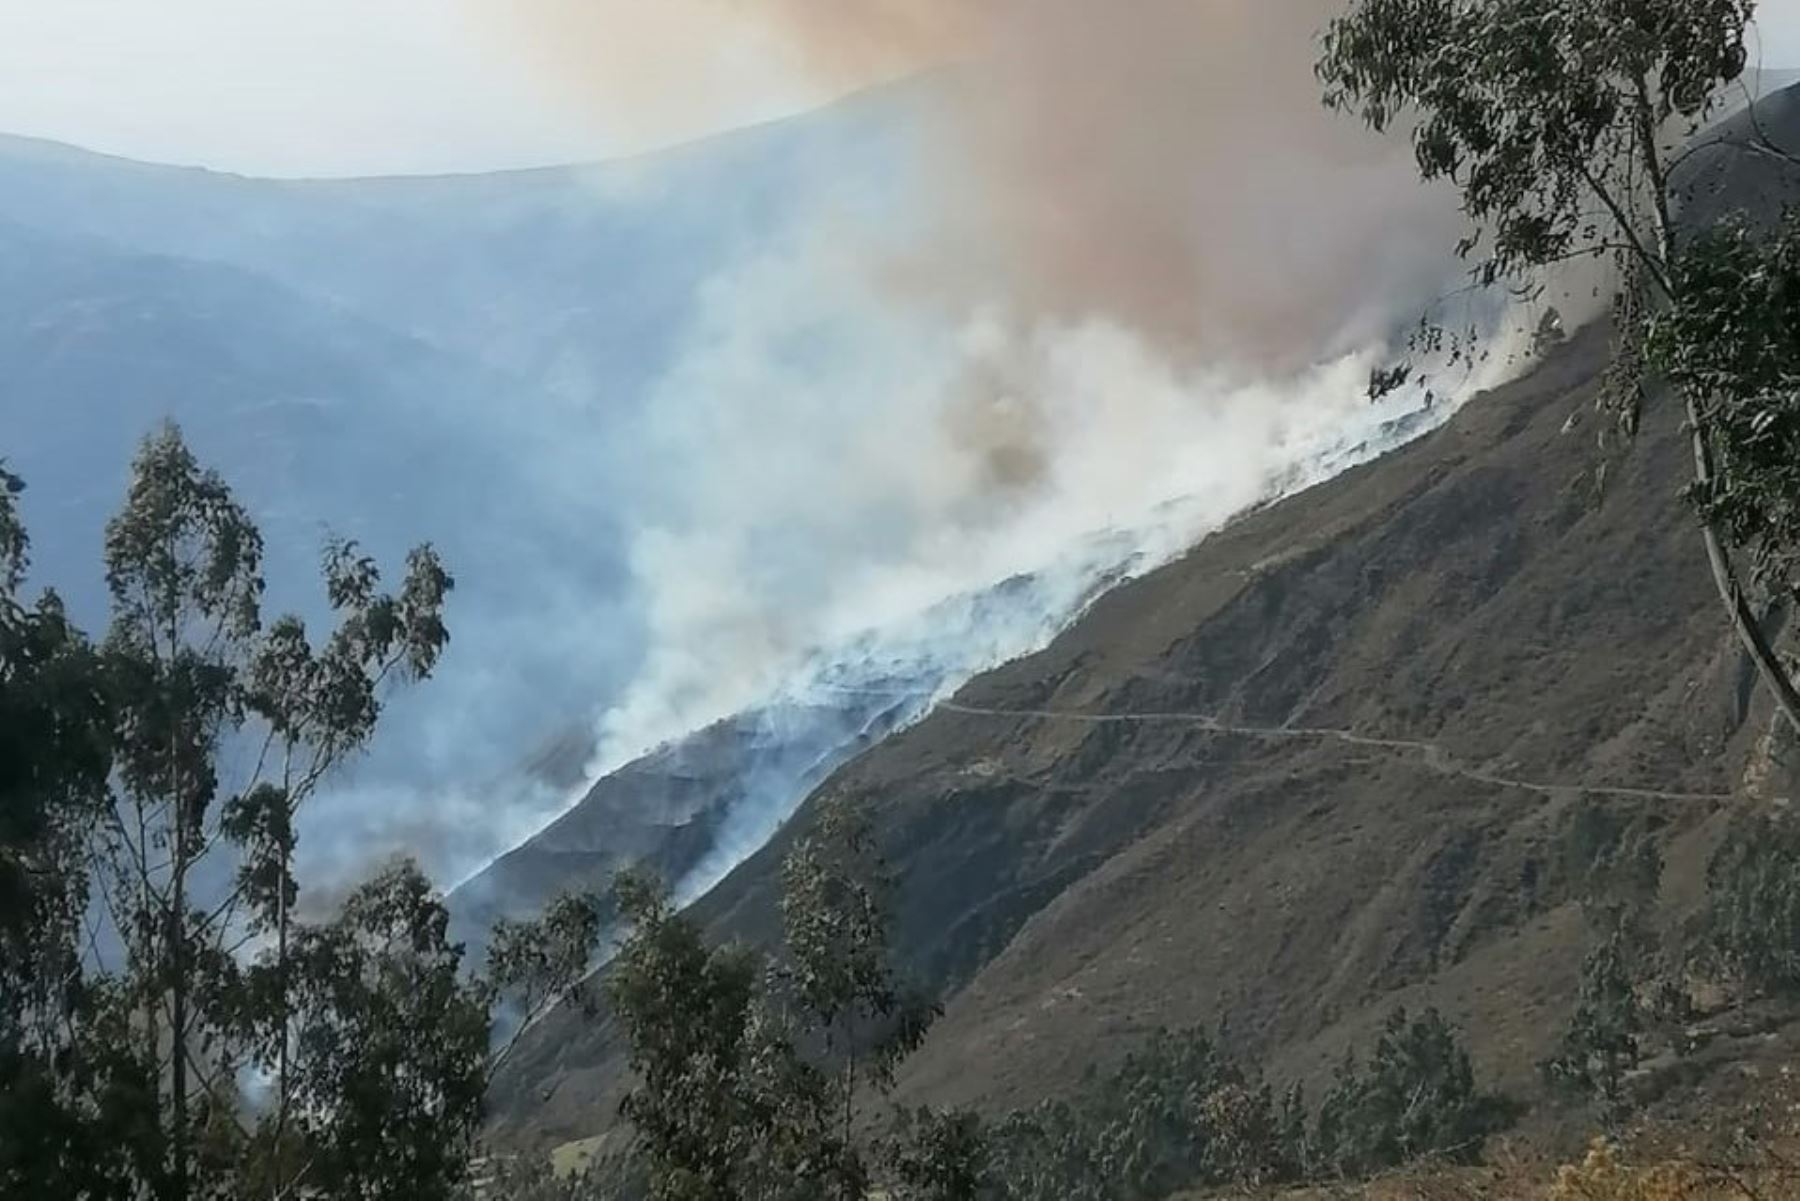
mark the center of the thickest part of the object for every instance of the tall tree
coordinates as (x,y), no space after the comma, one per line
(1563,125)
(750,1071)
(198,1040)
(390,1051)
(54,759)
(190,666)
(202,1042)
(835,900)
(686,1010)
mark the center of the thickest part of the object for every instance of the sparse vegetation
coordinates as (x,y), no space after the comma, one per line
(172,1028)
(1562,124)
(1753,901)
(1601,1176)
(1415,1097)
(1616,870)
(1603,1039)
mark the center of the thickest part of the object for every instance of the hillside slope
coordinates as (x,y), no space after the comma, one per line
(1323,763)
(1335,759)
(470,360)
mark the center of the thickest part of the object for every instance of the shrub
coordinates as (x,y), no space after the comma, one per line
(1602,1042)
(1753,901)
(1176,1114)
(1415,1097)
(1601,1177)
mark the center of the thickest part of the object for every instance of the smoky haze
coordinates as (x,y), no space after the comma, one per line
(1129,261)
(1164,165)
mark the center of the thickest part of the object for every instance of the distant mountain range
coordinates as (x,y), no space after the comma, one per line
(471,360)
(455,359)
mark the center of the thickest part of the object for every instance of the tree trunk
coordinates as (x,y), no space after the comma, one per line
(1731,591)
(1743,618)
(177,915)
(178,1019)
(282,1018)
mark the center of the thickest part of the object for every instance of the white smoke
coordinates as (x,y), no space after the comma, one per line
(844,511)
(1059,340)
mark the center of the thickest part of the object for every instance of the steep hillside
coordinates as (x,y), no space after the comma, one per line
(98,343)
(1323,763)
(584,271)
(1333,759)
(472,360)
(693,809)
(673,810)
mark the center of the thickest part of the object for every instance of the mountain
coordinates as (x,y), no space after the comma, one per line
(98,343)
(1718,176)
(693,809)
(462,359)
(1320,765)
(585,270)
(678,810)
(1332,760)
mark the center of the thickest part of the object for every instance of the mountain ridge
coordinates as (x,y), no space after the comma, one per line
(1058,841)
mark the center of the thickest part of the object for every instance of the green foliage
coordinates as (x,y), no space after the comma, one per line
(540,963)
(132,1020)
(1611,861)
(1415,1097)
(1617,873)
(1538,110)
(751,1075)
(833,888)
(390,1049)
(1176,1114)
(1730,338)
(1558,122)
(1604,1038)
(746,1089)
(1753,901)
(1049,1151)
(685,1009)
(62,1081)
(54,760)
(939,1156)
(187,665)
(834,901)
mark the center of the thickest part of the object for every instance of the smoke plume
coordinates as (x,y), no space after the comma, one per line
(1163,165)
(1121,277)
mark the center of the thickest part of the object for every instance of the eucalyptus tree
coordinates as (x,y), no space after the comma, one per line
(55,756)
(190,668)
(1564,125)
(169,1028)
(752,1071)
(835,905)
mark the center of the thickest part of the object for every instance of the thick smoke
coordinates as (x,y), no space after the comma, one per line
(1162,165)
(1135,261)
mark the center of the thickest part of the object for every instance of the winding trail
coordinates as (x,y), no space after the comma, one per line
(1434,756)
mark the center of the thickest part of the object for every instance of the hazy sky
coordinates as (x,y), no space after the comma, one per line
(362,86)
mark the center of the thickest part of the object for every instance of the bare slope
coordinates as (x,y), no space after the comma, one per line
(1323,763)
(1326,763)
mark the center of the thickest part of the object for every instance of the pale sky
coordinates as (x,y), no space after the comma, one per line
(344,87)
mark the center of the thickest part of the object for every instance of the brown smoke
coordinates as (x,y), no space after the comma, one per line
(1162,164)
